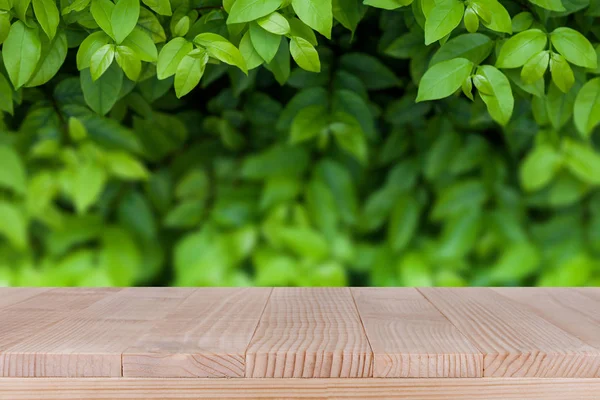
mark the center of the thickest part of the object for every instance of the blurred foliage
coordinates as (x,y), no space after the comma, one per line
(115,169)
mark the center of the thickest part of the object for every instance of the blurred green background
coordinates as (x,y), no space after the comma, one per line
(209,190)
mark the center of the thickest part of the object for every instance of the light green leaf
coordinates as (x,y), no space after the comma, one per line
(124,18)
(189,72)
(89,46)
(318,14)
(151,25)
(275,23)
(141,43)
(129,61)
(587,107)
(522,21)
(562,74)
(250,10)
(539,167)
(47,15)
(535,68)
(305,54)
(12,170)
(88,182)
(102,94)
(21,7)
(387,4)
(520,48)
(582,161)
(4,26)
(559,106)
(126,167)
(574,47)
(500,102)
(443,79)
(475,47)
(14,225)
(171,55)
(349,136)
(221,49)
(77,5)
(309,123)
(280,66)
(161,7)
(101,60)
(404,222)
(77,130)
(21,52)
(299,28)
(552,5)
(471,20)
(265,43)
(251,57)
(6,96)
(444,17)
(53,56)
(499,18)
(102,11)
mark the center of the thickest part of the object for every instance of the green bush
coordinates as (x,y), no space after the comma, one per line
(293,142)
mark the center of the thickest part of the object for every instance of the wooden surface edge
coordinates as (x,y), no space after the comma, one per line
(299,388)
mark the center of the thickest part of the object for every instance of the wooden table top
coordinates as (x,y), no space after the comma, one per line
(300,332)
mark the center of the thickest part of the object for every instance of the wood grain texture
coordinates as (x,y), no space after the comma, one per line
(205,336)
(516,342)
(309,333)
(90,341)
(592,293)
(11,296)
(411,338)
(568,309)
(362,388)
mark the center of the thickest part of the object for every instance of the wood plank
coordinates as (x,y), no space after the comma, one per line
(309,333)
(591,292)
(363,388)
(410,338)
(206,336)
(89,343)
(568,309)
(11,296)
(516,342)
(30,315)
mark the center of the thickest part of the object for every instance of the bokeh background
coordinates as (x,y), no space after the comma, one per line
(212,192)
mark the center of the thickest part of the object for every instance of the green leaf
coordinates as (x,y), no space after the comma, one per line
(309,123)
(4,26)
(221,49)
(407,45)
(475,47)
(14,225)
(349,135)
(102,94)
(471,20)
(12,170)
(444,17)
(582,161)
(124,166)
(552,5)
(251,57)
(574,47)
(129,61)
(349,12)
(500,101)
(535,68)
(53,56)
(522,21)
(520,48)
(305,54)
(250,10)
(559,106)
(459,198)
(517,262)
(170,57)
(21,8)
(443,79)
(274,23)
(151,25)
(102,11)
(124,18)
(47,15)
(387,4)
(539,167)
(586,111)
(404,222)
(89,46)
(499,18)
(318,14)
(190,71)
(264,43)
(372,72)
(143,46)
(21,52)
(161,7)
(6,96)
(88,182)
(101,60)
(562,74)
(280,66)
(299,28)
